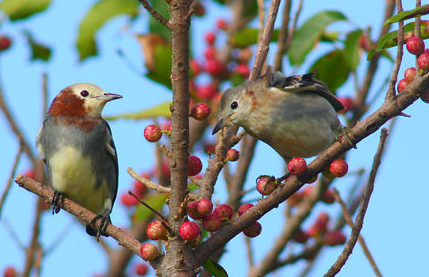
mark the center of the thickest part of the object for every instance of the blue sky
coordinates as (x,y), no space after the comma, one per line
(394,229)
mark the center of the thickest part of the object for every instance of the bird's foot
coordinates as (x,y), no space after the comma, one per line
(277,181)
(345,134)
(55,202)
(96,232)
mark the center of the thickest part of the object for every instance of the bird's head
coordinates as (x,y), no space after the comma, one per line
(237,104)
(81,100)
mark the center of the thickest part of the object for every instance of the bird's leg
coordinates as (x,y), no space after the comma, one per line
(284,177)
(96,232)
(55,202)
(345,134)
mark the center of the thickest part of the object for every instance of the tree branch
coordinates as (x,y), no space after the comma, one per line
(158,17)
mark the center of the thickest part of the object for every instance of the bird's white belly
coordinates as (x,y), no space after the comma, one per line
(72,174)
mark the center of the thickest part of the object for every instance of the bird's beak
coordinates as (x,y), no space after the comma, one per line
(106,97)
(220,124)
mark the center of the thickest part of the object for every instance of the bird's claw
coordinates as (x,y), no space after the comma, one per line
(96,232)
(55,202)
(345,134)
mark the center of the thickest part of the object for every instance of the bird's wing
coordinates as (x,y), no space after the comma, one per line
(111,149)
(39,144)
(306,82)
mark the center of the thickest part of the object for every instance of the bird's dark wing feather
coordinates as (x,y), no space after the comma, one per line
(110,146)
(306,82)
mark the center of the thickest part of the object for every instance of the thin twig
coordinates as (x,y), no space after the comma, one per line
(13,234)
(294,24)
(10,179)
(158,17)
(361,240)
(390,94)
(417,22)
(261,17)
(248,243)
(45,94)
(283,34)
(336,267)
(163,218)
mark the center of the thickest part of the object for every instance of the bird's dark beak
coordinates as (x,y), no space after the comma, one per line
(109,97)
(219,125)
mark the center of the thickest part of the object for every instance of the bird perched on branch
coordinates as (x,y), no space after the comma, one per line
(295,115)
(77,147)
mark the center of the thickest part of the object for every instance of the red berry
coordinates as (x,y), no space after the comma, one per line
(265,185)
(5,43)
(224,211)
(166,125)
(152,133)
(189,230)
(415,45)
(297,166)
(347,103)
(141,269)
(194,165)
(139,188)
(301,236)
(192,211)
(334,238)
(214,67)
(409,74)
(243,69)
(165,170)
(339,168)
(10,271)
(425,96)
(221,24)
(204,206)
(210,53)
(423,61)
(210,38)
(207,92)
(212,222)
(295,198)
(402,84)
(328,197)
(128,200)
(232,155)
(200,111)
(253,230)
(199,9)
(148,251)
(195,67)
(319,226)
(209,148)
(243,208)
(155,230)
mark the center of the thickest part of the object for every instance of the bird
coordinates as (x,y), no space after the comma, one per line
(77,147)
(295,115)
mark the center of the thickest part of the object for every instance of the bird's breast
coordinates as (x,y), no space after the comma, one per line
(73,174)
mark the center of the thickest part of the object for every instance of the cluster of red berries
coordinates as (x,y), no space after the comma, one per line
(296,198)
(5,43)
(10,271)
(416,47)
(297,166)
(319,231)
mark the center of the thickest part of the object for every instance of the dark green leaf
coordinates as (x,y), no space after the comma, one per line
(250,8)
(332,69)
(249,36)
(154,26)
(402,15)
(38,51)
(236,79)
(99,14)
(306,37)
(351,48)
(156,201)
(161,110)
(21,9)
(214,268)
(162,65)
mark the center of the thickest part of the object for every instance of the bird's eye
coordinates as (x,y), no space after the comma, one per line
(84,93)
(234,105)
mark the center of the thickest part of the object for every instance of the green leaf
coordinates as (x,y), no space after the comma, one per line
(156,201)
(306,37)
(154,26)
(402,15)
(21,9)
(214,268)
(391,39)
(249,36)
(161,70)
(333,69)
(38,51)
(99,14)
(161,110)
(351,49)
